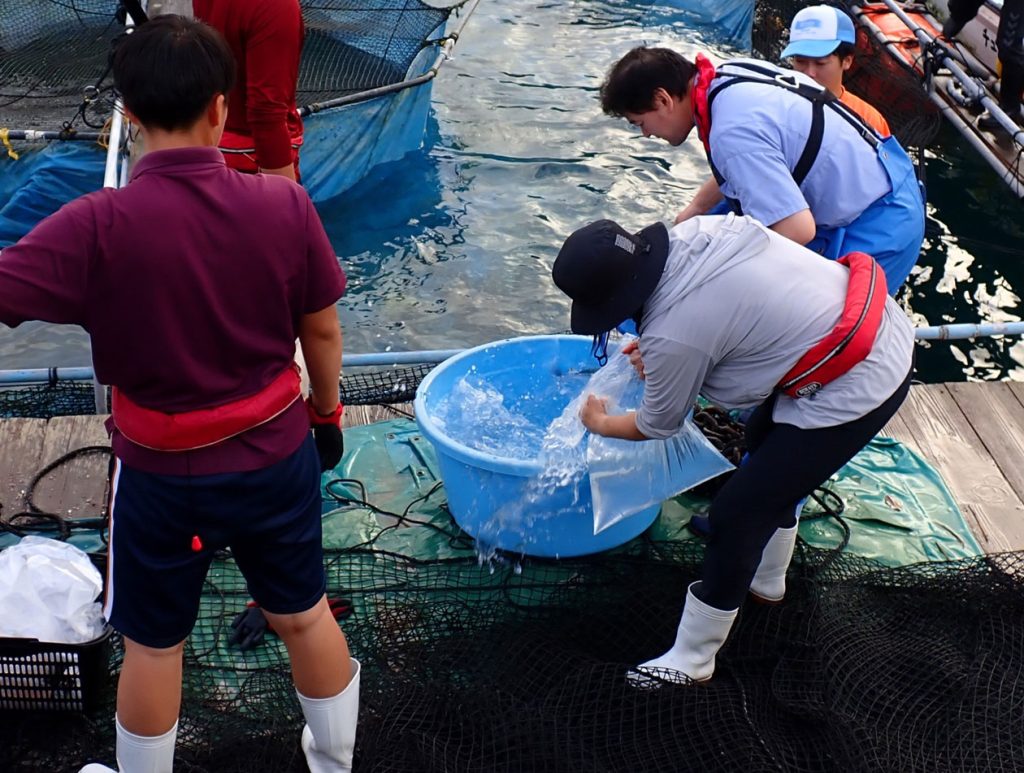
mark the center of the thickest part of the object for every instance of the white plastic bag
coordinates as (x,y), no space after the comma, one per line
(48,591)
(629,476)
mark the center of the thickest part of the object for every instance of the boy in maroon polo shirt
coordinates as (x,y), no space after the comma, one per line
(193,283)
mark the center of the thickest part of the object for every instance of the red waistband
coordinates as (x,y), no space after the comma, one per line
(233,142)
(203,427)
(851,340)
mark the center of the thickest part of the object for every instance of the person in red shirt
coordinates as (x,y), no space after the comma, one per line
(210,434)
(264,130)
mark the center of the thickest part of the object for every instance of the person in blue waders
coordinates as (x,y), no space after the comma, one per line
(782,149)
(730,310)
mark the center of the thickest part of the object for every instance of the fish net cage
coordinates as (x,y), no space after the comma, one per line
(54,56)
(875,76)
(57,397)
(513,663)
(522,665)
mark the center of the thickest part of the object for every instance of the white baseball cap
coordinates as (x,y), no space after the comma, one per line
(818,31)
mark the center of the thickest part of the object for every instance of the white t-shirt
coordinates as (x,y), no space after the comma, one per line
(736,308)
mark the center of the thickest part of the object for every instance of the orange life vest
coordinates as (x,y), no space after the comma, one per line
(850,341)
(204,427)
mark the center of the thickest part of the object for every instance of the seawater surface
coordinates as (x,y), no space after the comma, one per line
(452,246)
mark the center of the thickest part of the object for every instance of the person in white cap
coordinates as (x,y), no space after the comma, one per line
(782,149)
(822,44)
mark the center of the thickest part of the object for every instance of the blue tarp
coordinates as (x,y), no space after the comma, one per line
(341,145)
(733,20)
(42,180)
(898,508)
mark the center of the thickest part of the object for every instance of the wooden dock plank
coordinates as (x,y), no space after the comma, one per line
(900,430)
(972,433)
(1017,388)
(943,435)
(21,445)
(77,488)
(997,416)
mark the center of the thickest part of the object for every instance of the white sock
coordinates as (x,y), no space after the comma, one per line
(145,754)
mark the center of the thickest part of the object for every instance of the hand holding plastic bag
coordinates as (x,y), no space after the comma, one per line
(629,476)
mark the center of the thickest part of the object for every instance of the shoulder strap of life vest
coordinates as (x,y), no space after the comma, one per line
(819,98)
(853,337)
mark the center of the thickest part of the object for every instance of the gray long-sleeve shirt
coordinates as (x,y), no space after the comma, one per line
(736,308)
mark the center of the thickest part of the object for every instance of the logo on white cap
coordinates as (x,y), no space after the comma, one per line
(818,31)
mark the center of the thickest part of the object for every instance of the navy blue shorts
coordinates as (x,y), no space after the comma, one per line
(164,530)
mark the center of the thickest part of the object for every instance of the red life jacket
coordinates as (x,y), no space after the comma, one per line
(203,427)
(851,339)
(699,99)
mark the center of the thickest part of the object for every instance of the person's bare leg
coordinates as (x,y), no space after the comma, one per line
(321,666)
(149,690)
(148,701)
(327,683)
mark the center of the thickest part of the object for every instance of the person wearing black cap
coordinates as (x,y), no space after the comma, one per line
(731,310)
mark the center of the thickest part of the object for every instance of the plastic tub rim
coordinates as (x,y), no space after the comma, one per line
(460,451)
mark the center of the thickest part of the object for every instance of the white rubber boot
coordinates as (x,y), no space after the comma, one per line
(140,754)
(329,737)
(769,583)
(702,632)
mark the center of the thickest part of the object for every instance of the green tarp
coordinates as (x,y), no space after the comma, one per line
(898,509)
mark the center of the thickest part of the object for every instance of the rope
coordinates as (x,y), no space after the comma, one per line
(35,518)
(5,138)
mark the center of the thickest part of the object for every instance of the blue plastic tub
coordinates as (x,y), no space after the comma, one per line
(483,488)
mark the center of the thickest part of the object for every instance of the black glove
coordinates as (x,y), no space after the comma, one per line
(952,26)
(248,628)
(330,445)
(327,434)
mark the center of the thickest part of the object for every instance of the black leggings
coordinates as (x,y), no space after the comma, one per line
(785,464)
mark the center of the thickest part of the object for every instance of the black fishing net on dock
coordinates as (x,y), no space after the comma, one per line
(42,401)
(520,665)
(65,397)
(54,54)
(370,386)
(875,76)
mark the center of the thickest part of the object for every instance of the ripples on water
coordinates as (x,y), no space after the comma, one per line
(453,245)
(523,156)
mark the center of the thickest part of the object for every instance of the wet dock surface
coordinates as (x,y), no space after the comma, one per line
(972,433)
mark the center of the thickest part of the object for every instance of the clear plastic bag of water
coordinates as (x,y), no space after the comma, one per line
(629,476)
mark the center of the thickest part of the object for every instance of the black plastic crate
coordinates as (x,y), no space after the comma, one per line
(46,676)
